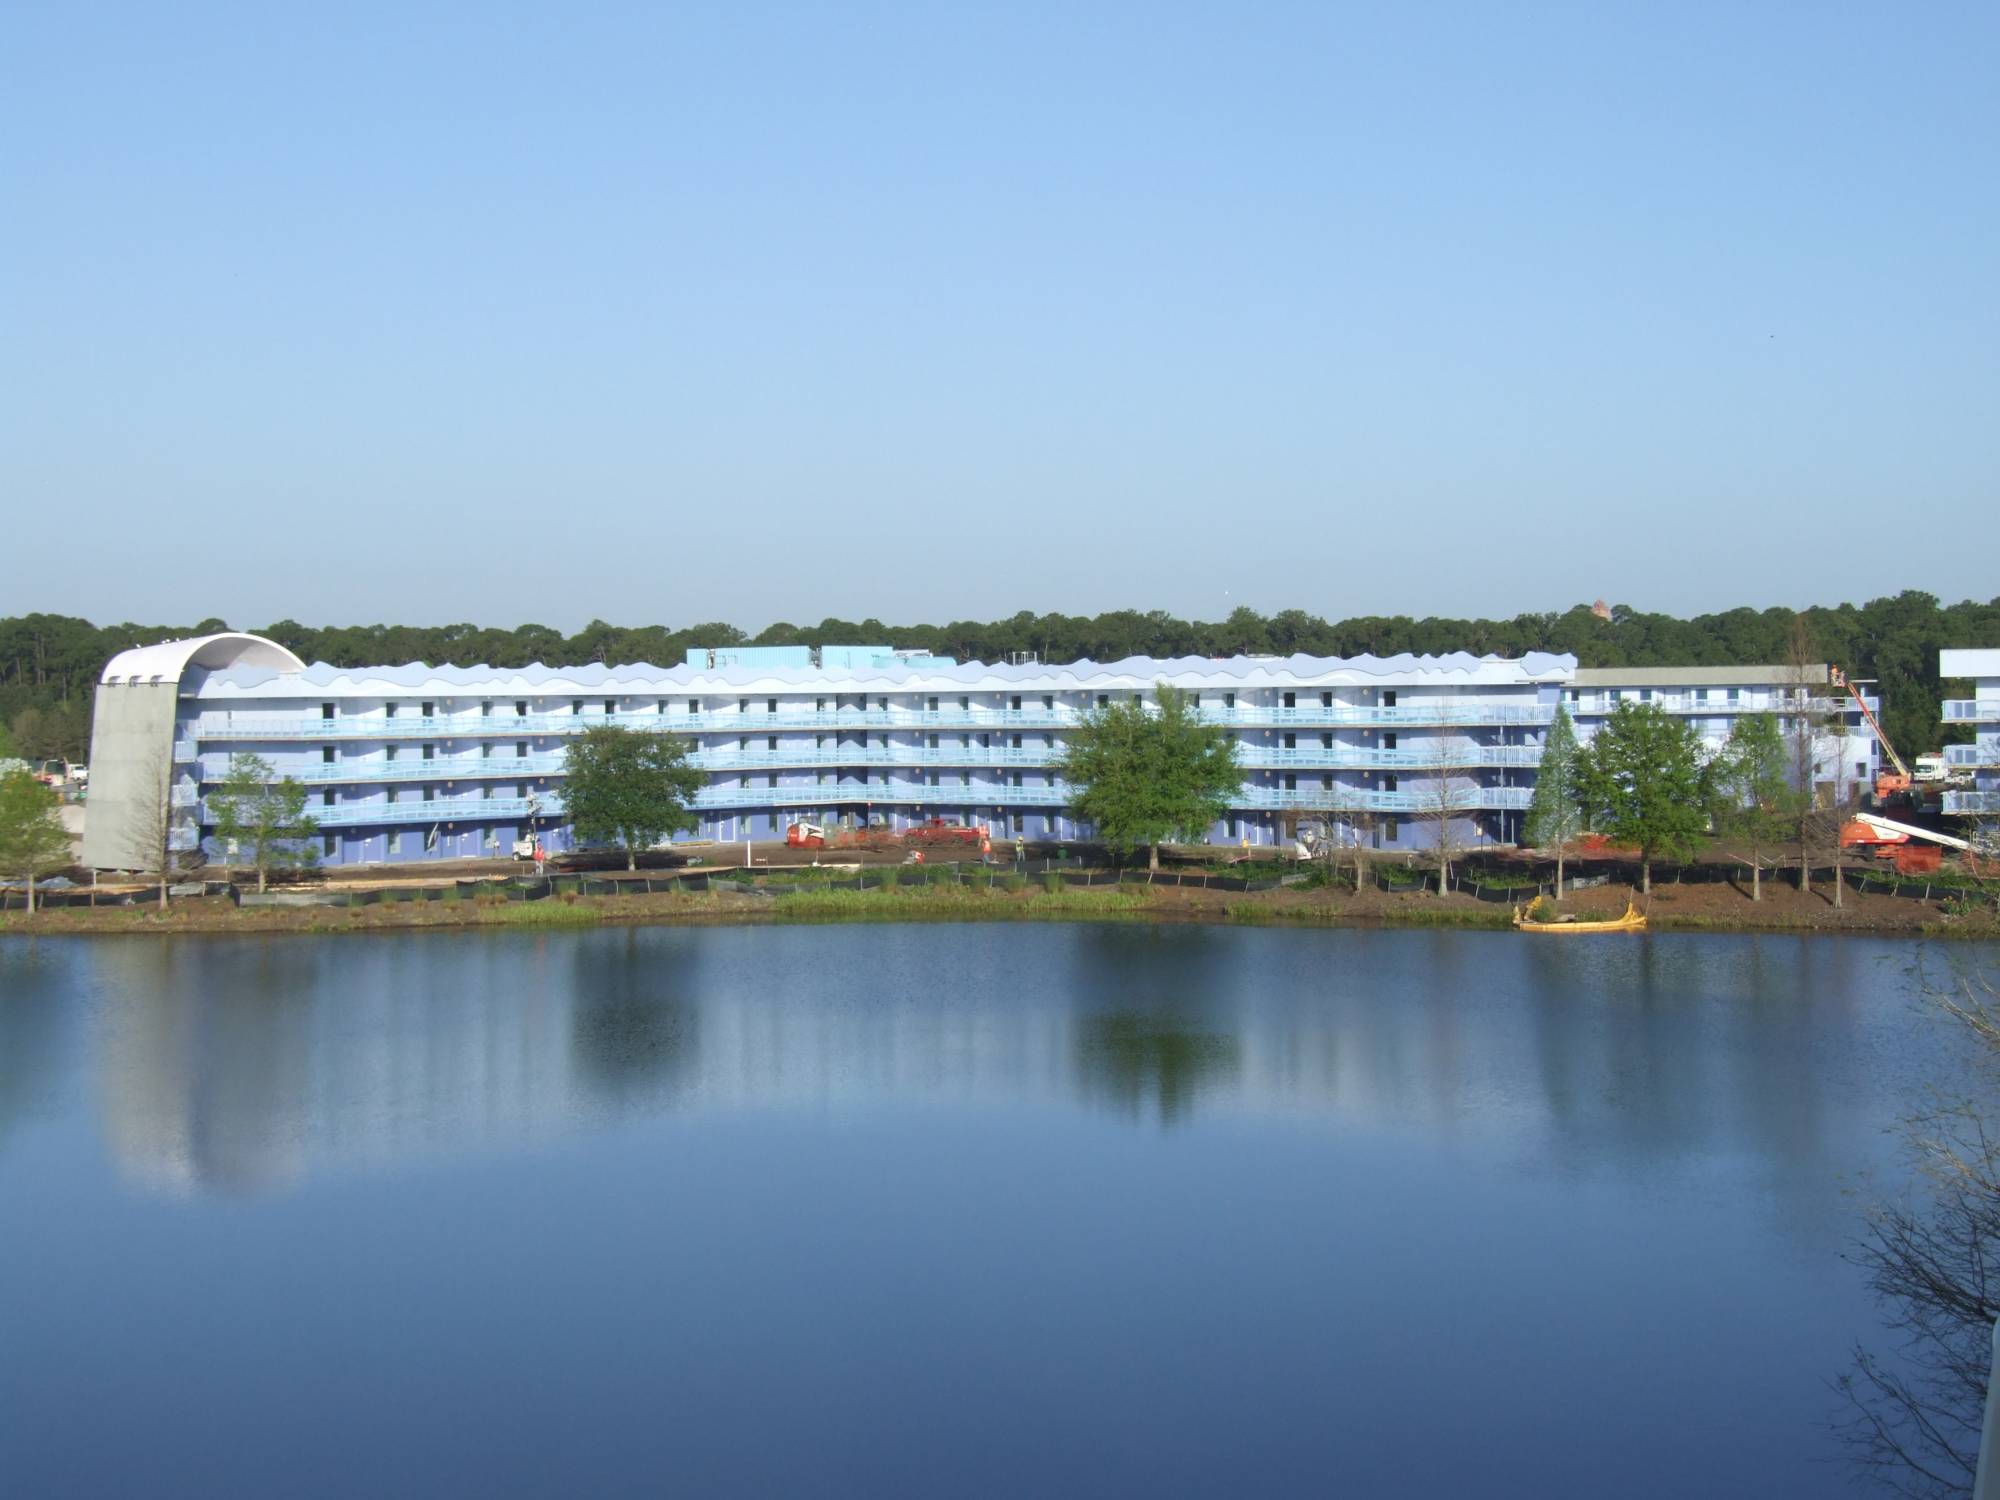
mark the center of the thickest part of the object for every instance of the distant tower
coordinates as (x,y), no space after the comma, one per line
(1601,610)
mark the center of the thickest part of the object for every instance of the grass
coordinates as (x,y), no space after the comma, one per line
(540,914)
(954,903)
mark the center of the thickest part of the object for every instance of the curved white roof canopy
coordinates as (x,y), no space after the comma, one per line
(166,661)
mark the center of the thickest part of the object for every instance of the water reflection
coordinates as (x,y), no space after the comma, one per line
(244,1065)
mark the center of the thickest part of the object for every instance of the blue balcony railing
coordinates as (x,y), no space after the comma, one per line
(1973,804)
(1971,710)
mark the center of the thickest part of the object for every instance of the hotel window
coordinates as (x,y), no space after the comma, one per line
(1017,821)
(430,794)
(1016,779)
(1291,782)
(694,705)
(1015,703)
(1701,695)
(743,783)
(965,742)
(1389,831)
(1389,698)
(486,792)
(326,755)
(486,752)
(520,708)
(390,753)
(1229,701)
(610,706)
(932,703)
(770,705)
(1389,782)
(930,741)
(742,744)
(743,705)
(485,708)
(326,710)
(1572,695)
(393,791)
(1326,783)
(882,704)
(329,845)
(1326,700)
(520,749)
(819,742)
(1017,742)
(1291,740)
(395,843)
(1735,696)
(659,705)
(1104,700)
(1645,695)
(819,705)
(964,704)
(1048,703)
(1291,700)
(771,782)
(430,752)
(771,742)
(576,706)
(326,798)
(1389,740)
(430,709)
(933,778)
(1326,741)
(388,710)
(965,778)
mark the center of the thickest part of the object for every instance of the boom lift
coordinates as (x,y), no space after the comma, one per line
(1897,786)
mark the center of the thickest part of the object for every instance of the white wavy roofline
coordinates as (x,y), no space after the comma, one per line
(1455,668)
(168,661)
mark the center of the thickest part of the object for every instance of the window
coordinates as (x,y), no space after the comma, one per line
(485,708)
(1326,741)
(743,783)
(493,838)
(1229,701)
(1291,700)
(743,705)
(1291,782)
(1017,778)
(576,705)
(659,705)
(326,710)
(388,710)
(770,705)
(1389,831)
(430,752)
(1015,702)
(930,741)
(1389,698)
(520,708)
(430,710)
(430,794)
(932,704)
(771,782)
(326,798)
(964,704)
(1048,703)
(1735,696)
(694,705)
(965,778)
(1017,823)
(328,845)
(1389,740)
(610,706)
(1326,700)
(326,755)
(1326,783)
(883,704)
(486,792)
(486,752)
(1572,695)
(1017,742)
(1389,782)
(1645,695)
(396,843)
(742,744)
(1104,700)
(819,705)
(1701,695)
(1291,740)
(520,749)
(390,753)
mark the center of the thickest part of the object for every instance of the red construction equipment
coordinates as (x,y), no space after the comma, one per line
(1915,851)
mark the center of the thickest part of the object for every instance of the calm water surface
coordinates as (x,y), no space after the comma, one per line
(920,1210)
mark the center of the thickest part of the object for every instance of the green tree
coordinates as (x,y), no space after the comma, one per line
(1648,784)
(1141,776)
(33,841)
(1754,796)
(1555,816)
(263,817)
(629,786)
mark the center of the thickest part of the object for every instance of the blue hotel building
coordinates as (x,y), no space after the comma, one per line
(415,763)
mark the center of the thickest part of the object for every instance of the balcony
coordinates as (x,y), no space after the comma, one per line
(1973,756)
(441,810)
(1972,710)
(1594,705)
(1973,804)
(252,728)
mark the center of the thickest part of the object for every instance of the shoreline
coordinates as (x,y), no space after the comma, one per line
(1784,910)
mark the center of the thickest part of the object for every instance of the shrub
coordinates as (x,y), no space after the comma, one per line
(1542,909)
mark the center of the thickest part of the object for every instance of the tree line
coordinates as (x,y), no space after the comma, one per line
(49,664)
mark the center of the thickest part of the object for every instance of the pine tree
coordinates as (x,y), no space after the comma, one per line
(1555,816)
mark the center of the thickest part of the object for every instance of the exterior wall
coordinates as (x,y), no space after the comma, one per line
(1980,712)
(131,745)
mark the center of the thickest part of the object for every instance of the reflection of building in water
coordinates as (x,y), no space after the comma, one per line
(245,1064)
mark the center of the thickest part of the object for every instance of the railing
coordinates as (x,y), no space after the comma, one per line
(1687,703)
(1977,804)
(1964,710)
(1972,755)
(1251,757)
(549,806)
(256,727)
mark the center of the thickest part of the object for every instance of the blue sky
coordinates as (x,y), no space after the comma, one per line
(756,312)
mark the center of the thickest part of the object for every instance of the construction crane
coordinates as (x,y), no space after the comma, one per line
(1897,785)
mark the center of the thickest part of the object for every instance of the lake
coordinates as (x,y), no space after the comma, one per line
(994,1209)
